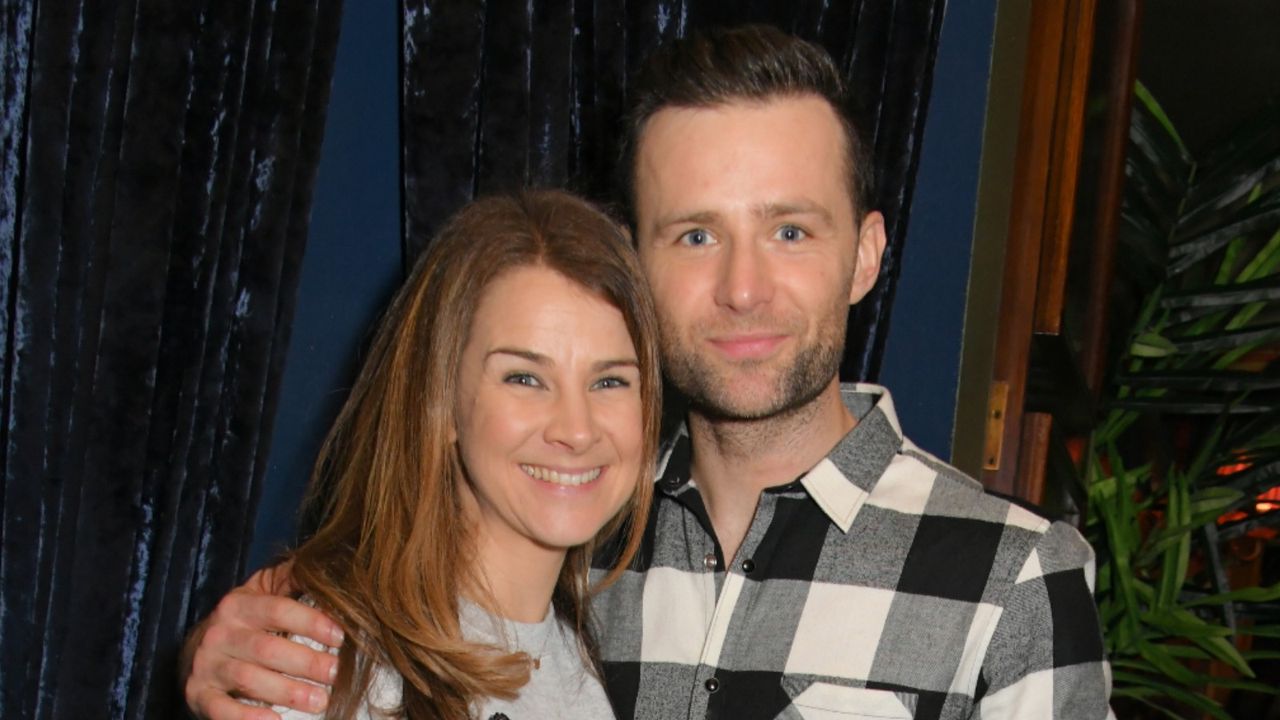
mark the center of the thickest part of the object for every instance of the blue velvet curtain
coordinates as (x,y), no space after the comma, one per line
(500,93)
(156,166)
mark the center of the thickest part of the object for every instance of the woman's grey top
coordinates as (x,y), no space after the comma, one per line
(561,686)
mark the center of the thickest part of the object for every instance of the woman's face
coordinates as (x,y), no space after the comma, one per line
(548,421)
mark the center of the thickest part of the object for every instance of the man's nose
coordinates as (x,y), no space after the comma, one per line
(745,281)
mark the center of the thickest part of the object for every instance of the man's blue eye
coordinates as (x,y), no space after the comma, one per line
(696,238)
(791,233)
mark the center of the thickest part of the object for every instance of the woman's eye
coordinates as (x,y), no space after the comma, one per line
(612,382)
(791,233)
(696,238)
(522,379)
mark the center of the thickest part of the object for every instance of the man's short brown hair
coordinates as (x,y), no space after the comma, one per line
(746,63)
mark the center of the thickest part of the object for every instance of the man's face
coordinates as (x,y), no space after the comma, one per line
(746,231)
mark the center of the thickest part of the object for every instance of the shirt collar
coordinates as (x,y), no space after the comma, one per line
(841,481)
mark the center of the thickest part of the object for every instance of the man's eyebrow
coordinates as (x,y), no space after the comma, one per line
(764,211)
(698,217)
(770,210)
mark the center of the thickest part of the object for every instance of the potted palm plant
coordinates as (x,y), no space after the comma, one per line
(1189,433)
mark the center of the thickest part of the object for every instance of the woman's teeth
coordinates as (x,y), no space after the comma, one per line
(552,476)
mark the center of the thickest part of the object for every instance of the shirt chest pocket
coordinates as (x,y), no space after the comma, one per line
(827,701)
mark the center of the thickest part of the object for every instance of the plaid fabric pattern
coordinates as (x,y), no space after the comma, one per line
(881,584)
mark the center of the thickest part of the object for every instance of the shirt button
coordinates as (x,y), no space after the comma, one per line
(711,684)
(709,562)
(748,566)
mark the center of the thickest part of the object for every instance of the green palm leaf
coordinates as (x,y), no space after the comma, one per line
(1200,246)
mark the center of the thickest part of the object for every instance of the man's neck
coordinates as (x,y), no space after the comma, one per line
(734,461)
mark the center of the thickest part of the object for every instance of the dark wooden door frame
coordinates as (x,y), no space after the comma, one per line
(1046,179)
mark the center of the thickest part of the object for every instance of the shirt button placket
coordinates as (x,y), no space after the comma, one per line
(702,699)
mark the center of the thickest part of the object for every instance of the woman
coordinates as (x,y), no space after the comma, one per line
(504,423)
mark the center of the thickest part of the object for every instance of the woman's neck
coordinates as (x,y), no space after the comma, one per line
(519,578)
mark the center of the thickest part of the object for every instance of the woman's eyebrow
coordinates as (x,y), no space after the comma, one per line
(540,359)
(610,364)
(529,355)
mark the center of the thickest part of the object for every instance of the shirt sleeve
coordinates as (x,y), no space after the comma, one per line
(1046,658)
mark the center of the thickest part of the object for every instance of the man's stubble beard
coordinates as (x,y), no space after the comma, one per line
(709,390)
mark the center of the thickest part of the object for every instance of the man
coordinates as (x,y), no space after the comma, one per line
(804,559)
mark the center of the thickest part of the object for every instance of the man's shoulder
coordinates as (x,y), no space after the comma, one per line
(909,476)
(956,506)
(946,490)
(914,482)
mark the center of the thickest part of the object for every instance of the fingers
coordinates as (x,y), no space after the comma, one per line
(276,614)
(254,681)
(216,675)
(244,630)
(217,706)
(294,618)
(239,652)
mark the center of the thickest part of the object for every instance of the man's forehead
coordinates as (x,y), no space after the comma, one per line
(675,123)
(730,109)
(683,152)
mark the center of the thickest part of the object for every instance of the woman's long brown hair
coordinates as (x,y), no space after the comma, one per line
(393,549)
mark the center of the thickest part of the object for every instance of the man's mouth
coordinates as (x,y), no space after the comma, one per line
(752,346)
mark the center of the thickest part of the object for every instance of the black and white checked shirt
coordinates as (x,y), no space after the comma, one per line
(881,584)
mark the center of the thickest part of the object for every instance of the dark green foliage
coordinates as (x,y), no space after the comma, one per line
(1191,422)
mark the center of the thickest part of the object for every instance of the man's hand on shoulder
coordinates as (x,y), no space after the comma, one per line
(243,650)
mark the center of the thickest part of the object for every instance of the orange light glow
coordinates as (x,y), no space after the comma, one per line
(1268,501)
(1075,448)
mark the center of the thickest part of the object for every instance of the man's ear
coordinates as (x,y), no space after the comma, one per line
(871,242)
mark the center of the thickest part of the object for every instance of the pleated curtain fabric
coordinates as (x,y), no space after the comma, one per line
(157,159)
(156,167)
(497,94)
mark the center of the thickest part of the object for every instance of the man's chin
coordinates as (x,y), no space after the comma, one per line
(749,396)
(735,400)
(751,391)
